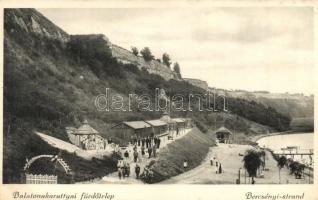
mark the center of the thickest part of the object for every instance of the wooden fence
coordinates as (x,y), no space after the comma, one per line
(40,179)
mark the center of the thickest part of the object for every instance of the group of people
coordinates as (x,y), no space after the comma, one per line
(146,142)
(123,168)
(123,165)
(151,151)
(147,174)
(217,164)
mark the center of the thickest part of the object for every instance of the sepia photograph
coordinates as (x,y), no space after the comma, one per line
(144,96)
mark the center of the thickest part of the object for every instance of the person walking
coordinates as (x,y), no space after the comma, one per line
(126,155)
(151,141)
(120,173)
(159,141)
(135,155)
(155,141)
(147,142)
(154,150)
(220,168)
(211,161)
(149,151)
(142,151)
(137,171)
(120,166)
(185,164)
(143,141)
(138,142)
(216,168)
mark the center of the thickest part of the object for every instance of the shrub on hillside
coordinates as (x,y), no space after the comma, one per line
(146,54)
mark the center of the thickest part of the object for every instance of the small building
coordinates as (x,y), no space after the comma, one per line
(128,130)
(223,135)
(188,123)
(159,127)
(86,137)
(181,125)
(171,124)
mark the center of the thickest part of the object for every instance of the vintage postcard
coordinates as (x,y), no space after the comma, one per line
(158,100)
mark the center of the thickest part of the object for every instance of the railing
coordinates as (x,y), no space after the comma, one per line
(65,166)
(40,179)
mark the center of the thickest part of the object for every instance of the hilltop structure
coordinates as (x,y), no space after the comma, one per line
(197,82)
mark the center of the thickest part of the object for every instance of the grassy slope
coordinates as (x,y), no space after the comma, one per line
(305,124)
(192,147)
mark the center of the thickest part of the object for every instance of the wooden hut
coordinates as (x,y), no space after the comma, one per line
(159,127)
(128,130)
(181,125)
(223,135)
(171,125)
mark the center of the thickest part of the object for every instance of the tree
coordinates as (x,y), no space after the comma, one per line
(296,168)
(134,51)
(281,162)
(252,161)
(146,54)
(166,59)
(176,68)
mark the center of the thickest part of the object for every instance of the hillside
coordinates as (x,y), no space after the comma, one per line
(51,80)
(297,107)
(193,148)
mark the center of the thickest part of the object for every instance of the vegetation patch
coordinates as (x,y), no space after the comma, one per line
(193,147)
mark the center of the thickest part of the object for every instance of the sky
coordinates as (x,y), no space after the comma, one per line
(250,48)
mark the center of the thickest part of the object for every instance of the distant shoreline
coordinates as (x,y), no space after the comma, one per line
(258,137)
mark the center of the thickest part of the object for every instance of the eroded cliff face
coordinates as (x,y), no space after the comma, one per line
(31,21)
(153,66)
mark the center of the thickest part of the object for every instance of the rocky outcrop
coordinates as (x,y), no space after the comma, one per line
(31,21)
(153,66)
(197,82)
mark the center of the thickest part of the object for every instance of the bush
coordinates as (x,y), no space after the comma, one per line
(146,54)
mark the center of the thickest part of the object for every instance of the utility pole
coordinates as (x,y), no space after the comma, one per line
(215,122)
(234,138)
(308,175)
(239,176)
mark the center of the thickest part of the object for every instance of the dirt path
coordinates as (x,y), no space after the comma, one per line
(228,156)
(142,162)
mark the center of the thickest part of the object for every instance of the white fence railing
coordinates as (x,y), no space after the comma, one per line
(40,179)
